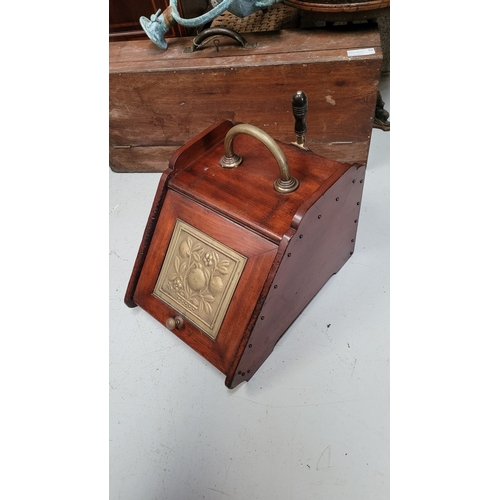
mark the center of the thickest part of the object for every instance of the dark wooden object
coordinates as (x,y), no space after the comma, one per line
(293,242)
(158,100)
(341,10)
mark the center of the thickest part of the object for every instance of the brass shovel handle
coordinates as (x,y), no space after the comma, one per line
(285,183)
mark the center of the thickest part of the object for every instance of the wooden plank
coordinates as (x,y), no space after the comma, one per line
(342,103)
(292,45)
(155,158)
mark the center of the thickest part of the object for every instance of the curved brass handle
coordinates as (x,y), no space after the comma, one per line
(285,183)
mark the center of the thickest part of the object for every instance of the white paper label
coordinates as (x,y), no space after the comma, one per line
(360,52)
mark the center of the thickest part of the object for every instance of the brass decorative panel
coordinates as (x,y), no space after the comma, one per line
(198,277)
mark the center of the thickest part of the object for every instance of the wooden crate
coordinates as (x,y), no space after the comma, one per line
(158,99)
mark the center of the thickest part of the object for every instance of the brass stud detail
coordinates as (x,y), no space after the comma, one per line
(173,323)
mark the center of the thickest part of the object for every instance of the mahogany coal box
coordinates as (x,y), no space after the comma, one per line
(243,232)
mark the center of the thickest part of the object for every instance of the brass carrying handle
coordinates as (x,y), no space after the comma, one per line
(285,183)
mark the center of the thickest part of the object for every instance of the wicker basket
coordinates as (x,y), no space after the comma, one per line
(341,10)
(277,17)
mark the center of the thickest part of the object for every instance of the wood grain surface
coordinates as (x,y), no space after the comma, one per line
(159,100)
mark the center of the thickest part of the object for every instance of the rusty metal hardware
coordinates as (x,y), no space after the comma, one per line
(219,31)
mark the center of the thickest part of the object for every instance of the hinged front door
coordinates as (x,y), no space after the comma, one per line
(206,270)
(198,277)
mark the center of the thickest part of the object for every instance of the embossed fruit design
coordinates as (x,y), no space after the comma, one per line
(199,277)
(196,279)
(216,285)
(184,249)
